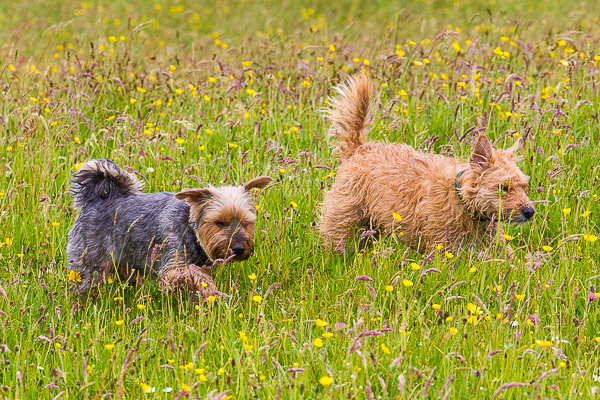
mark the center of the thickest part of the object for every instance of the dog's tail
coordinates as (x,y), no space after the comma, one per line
(102,179)
(350,114)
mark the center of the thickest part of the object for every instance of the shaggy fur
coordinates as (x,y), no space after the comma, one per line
(122,231)
(437,203)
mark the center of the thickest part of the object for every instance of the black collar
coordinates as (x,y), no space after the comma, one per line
(474,213)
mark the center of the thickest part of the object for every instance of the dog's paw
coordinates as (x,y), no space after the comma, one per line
(192,278)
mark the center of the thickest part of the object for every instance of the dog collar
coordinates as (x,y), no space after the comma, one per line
(474,213)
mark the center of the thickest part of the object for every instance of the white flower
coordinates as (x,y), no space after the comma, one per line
(149,170)
(168,389)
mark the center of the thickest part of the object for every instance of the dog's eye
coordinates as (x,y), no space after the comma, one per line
(220,224)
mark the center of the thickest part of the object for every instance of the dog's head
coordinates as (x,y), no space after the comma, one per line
(494,184)
(225,218)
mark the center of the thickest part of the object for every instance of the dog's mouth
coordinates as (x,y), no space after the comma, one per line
(240,253)
(517,218)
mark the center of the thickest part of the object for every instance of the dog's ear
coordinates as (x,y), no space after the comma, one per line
(517,147)
(194,196)
(260,183)
(483,153)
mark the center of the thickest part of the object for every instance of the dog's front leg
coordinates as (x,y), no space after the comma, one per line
(189,277)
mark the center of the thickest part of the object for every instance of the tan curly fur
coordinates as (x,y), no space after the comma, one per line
(376,180)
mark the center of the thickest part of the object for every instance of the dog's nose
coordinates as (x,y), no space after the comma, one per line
(238,249)
(528,212)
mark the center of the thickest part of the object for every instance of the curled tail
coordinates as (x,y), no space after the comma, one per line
(102,179)
(350,114)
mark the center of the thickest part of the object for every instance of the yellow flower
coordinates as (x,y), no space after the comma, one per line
(439,246)
(436,306)
(243,336)
(252,276)
(449,255)
(221,371)
(119,323)
(449,319)
(508,237)
(185,388)
(472,270)
(251,92)
(417,63)
(520,296)
(544,343)
(233,145)
(109,346)
(415,266)
(407,283)
(57,345)
(145,387)
(547,248)
(331,48)
(326,380)
(320,323)
(453,330)
(212,80)
(55,224)
(590,238)
(206,98)
(180,141)
(328,335)
(566,211)
(472,320)
(132,100)
(586,214)
(389,288)
(248,347)
(396,217)
(456,46)
(318,342)
(74,276)
(385,349)
(293,204)
(257,299)
(141,306)
(77,166)
(597,339)
(211,299)
(202,378)
(140,89)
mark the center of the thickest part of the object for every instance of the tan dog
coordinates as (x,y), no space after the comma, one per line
(426,199)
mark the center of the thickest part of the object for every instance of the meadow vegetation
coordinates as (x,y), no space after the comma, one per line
(190,93)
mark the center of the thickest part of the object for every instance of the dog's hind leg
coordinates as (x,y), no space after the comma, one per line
(339,222)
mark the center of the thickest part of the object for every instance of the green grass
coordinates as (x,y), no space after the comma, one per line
(68,78)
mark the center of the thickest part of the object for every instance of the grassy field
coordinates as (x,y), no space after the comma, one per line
(190,93)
